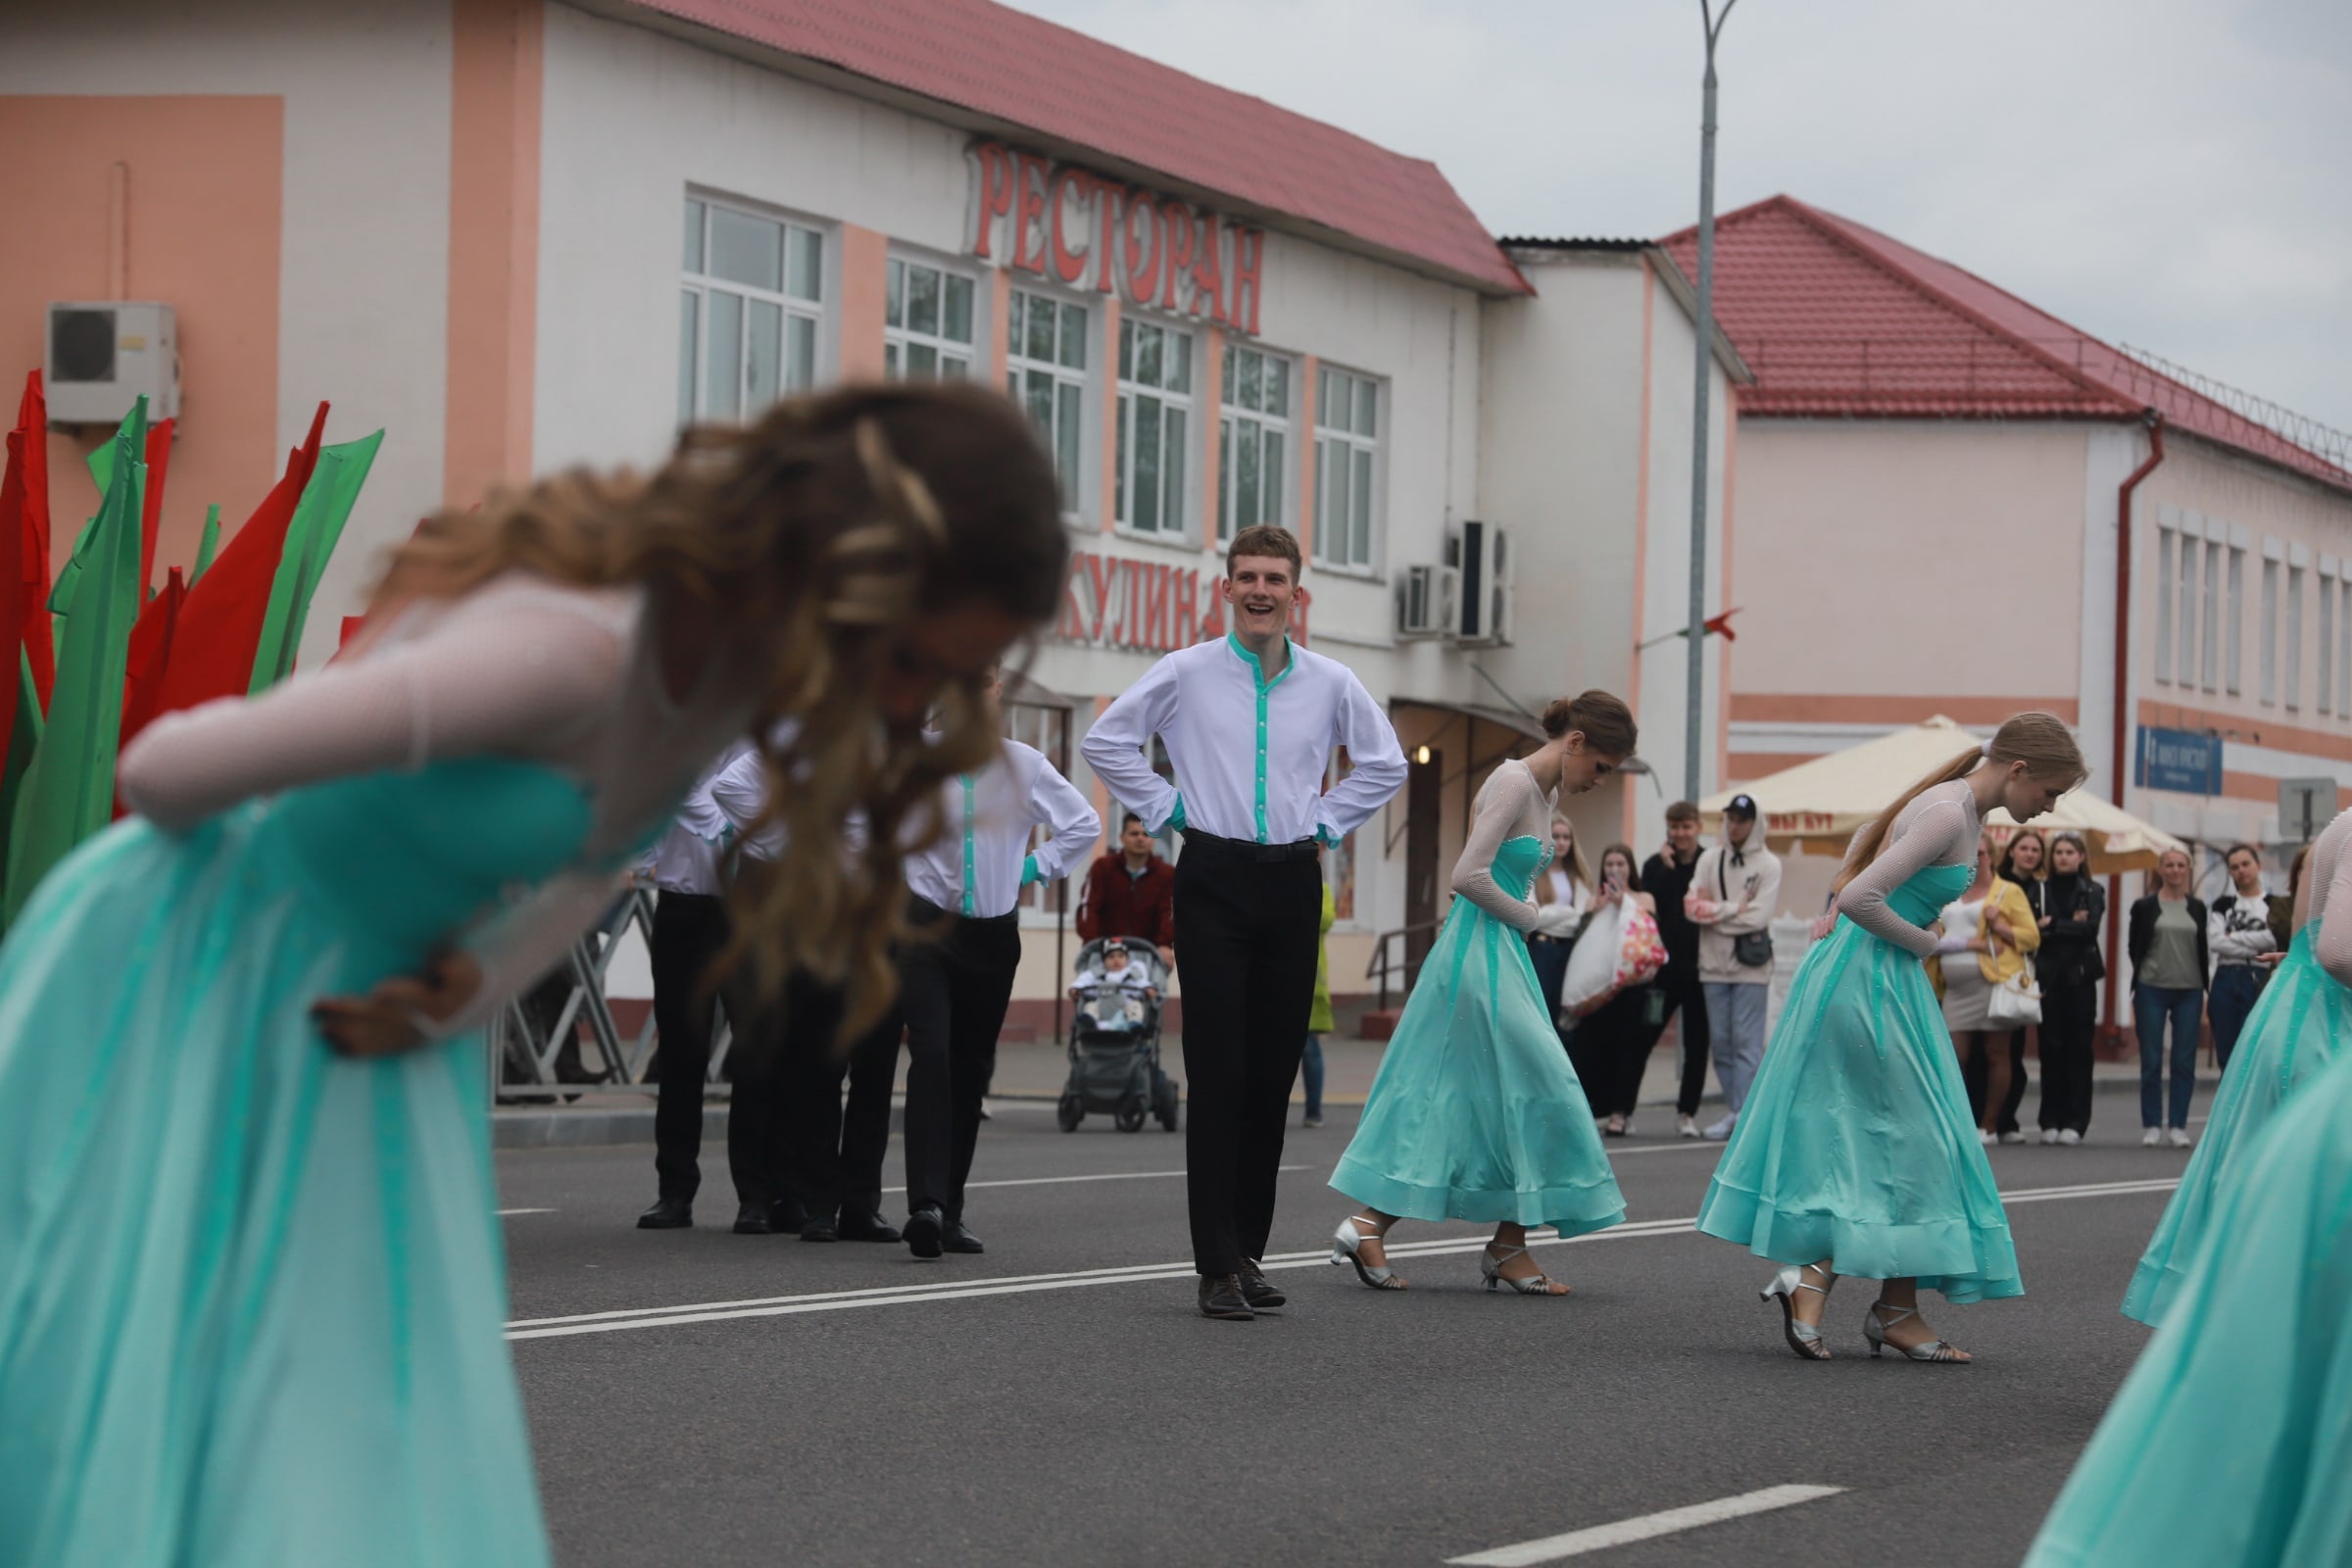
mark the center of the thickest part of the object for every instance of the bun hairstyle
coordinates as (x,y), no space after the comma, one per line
(2040,741)
(1603,719)
(813,537)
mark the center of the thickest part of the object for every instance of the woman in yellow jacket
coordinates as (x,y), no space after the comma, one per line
(1992,923)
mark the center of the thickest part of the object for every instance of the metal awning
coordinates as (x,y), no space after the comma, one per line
(1503,717)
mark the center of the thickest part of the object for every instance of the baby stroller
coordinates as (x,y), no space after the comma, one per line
(1114,1044)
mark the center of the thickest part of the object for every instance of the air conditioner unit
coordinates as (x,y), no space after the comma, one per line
(1426,599)
(1483,551)
(104,355)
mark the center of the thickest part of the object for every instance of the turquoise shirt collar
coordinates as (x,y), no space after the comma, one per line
(1290,660)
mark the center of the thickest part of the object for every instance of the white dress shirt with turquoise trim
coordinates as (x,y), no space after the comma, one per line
(980,863)
(691,856)
(1250,753)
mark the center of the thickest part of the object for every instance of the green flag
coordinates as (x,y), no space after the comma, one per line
(326,503)
(68,792)
(23,742)
(209,546)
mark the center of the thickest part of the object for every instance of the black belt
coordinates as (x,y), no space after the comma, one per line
(921,912)
(1196,840)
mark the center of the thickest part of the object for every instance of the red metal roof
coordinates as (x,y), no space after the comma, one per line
(1837,318)
(1038,76)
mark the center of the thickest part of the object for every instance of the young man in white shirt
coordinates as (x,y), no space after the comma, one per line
(1734,890)
(1250,724)
(956,972)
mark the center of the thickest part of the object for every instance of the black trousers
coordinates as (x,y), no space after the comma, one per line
(1684,996)
(800,1140)
(1610,1049)
(953,992)
(2068,1018)
(1248,930)
(690,931)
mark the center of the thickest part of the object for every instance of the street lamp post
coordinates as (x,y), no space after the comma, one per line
(1695,689)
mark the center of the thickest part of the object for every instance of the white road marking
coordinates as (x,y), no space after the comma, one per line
(1099,1176)
(526,1211)
(952,1289)
(1648,1526)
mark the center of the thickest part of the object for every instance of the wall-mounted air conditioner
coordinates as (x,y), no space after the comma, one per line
(1483,553)
(1426,601)
(104,355)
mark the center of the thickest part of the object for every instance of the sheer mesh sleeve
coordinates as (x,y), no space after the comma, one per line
(1935,834)
(1504,808)
(501,673)
(528,938)
(2331,897)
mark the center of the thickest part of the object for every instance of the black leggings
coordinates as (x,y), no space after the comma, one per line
(1610,1049)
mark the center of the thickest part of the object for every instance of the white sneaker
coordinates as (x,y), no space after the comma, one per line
(1983,1137)
(1722,1129)
(1685,1127)
(2013,1138)
(2068,1136)
(2151,1138)
(2049,1135)
(2179,1137)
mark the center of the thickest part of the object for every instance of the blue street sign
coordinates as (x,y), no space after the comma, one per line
(2184,760)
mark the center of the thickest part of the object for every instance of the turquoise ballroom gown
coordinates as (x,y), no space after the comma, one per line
(1856,1144)
(1476,1113)
(252,1293)
(2231,1444)
(2300,1025)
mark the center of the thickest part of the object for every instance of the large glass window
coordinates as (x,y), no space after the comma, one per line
(1045,372)
(926,324)
(2270,631)
(1347,467)
(2295,636)
(1045,728)
(1253,442)
(1155,422)
(751,305)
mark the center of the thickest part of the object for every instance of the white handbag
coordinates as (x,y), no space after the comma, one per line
(2016,1003)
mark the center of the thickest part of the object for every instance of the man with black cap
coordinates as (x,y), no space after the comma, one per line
(1734,891)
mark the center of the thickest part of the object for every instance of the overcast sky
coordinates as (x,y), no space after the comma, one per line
(2171,173)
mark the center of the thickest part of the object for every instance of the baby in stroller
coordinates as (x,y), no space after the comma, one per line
(1117,994)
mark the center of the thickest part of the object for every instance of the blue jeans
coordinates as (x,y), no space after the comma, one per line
(1310,1068)
(2236,987)
(1736,1030)
(2151,1005)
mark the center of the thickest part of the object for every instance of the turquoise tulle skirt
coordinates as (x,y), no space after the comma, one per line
(2231,1444)
(2302,1024)
(1476,1113)
(1856,1144)
(251,1293)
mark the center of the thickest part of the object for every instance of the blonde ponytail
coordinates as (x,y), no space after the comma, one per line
(2041,741)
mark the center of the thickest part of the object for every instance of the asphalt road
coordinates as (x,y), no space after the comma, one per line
(701,1398)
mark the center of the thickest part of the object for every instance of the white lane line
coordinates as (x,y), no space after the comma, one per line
(526,1211)
(1099,1176)
(949,1290)
(1648,1526)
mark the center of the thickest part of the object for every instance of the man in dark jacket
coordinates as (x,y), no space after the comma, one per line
(1131,894)
(1666,876)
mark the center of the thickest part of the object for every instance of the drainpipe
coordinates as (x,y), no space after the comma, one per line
(2122,684)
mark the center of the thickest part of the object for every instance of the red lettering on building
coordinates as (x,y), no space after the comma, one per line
(1176,222)
(1209,280)
(1248,257)
(995,195)
(1142,253)
(1068,184)
(1148,606)
(1028,212)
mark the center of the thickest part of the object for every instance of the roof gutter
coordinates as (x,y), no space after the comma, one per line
(2123,682)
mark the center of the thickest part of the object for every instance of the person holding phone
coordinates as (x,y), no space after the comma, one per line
(1612,1039)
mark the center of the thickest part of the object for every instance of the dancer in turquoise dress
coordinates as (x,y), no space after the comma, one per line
(251,1291)
(1476,1113)
(1856,1153)
(2301,1023)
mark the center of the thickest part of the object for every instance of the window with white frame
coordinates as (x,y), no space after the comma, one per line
(2233,646)
(2186,671)
(2209,670)
(750,306)
(2270,631)
(2294,637)
(1347,467)
(926,324)
(2164,604)
(2324,697)
(1045,372)
(1253,442)
(1045,728)
(2343,667)
(1155,446)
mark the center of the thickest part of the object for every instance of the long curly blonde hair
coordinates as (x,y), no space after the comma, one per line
(811,539)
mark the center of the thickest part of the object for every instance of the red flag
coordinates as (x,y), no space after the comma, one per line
(33,544)
(151,519)
(12,606)
(220,620)
(1721,625)
(151,643)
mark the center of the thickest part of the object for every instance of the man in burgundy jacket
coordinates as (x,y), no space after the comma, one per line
(1131,894)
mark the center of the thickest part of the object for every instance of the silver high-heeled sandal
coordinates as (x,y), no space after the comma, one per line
(1527,1285)
(1803,1337)
(1347,1244)
(1874,1328)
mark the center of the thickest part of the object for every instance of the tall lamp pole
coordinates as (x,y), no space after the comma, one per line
(1696,690)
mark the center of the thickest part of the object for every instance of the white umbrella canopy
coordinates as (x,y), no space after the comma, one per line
(1818,806)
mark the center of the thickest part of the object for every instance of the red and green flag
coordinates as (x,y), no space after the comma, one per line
(326,503)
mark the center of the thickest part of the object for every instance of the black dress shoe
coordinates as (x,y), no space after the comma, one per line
(1221,1297)
(858,1227)
(751,1219)
(925,1231)
(958,1238)
(787,1216)
(821,1228)
(1261,1293)
(668,1214)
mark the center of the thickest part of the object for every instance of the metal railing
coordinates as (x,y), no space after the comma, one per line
(1377,968)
